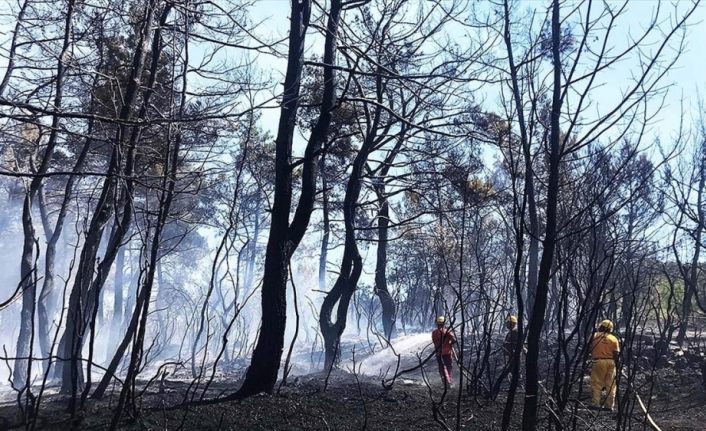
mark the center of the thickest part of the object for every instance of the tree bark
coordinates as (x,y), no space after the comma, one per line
(691,276)
(118,289)
(21,372)
(252,251)
(171,163)
(323,256)
(351,262)
(284,237)
(27,276)
(86,288)
(386,301)
(529,415)
(351,268)
(118,235)
(533,252)
(44,307)
(11,54)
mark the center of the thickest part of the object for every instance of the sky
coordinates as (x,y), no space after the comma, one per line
(687,78)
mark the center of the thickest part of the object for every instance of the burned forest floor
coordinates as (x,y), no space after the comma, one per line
(344,400)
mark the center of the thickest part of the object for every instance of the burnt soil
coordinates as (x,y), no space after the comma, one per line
(352,402)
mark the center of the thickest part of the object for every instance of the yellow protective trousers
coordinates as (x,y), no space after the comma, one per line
(603,376)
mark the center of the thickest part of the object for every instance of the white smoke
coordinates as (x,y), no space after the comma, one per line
(406,347)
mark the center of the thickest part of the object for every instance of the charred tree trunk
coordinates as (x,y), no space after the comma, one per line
(252,252)
(21,372)
(387,302)
(691,276)
(533,251)
(13,47)
(534,330)
(44,307)
(323,256)
(83,300)
(72,340)
(120,350)
(284,237)
(138,325)
(126,197)
(351,262)
(27,276)
(118,290)
(351,268)
(389,308)
(525,136)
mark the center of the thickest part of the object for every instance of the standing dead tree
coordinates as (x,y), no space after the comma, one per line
(405,94)
(285,237)
(29,288)
(84,295)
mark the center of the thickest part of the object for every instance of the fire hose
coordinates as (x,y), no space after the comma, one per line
(651,421)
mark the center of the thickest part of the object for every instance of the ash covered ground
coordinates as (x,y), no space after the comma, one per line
(362,394)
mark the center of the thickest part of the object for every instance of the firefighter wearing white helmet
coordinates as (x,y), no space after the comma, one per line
(605,355)
(444,339)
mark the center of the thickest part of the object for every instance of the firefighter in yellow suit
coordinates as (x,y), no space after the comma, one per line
(605,350)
